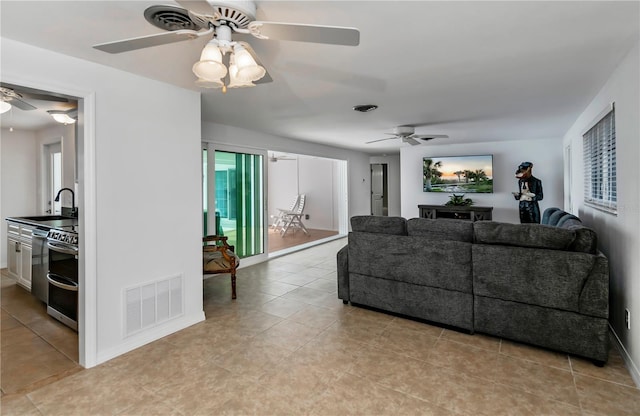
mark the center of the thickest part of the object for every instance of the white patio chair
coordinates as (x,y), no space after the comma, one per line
(279,219)
(293,219)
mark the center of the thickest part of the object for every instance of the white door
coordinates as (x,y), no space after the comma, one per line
(378,180)
(54,177)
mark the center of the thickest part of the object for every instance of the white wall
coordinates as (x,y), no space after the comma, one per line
(545,154)
(18,179)
(618,235)
(316,183)
(282,184)
(393,181)
(359,186)
(311,176)
(145,194)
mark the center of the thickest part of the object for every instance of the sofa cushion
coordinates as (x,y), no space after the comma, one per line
(548,278)
(555,217)
(412,259)
(441,229)
(523,235)
(379,225)
(568,220)
(586,239)
(547,214)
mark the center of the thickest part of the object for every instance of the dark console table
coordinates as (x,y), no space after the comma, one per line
(469,213)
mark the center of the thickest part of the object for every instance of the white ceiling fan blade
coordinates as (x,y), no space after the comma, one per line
(22,105)
(132,44)
(198,6)
(411,141)
(379,140)
(266,78)
(333,35)
(430,136)
(33,94)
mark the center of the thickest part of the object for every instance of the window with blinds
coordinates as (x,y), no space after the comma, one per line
(599,146)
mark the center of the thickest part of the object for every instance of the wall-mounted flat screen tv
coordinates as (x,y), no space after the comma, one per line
(458,174)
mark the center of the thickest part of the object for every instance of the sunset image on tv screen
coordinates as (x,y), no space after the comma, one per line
(458,174)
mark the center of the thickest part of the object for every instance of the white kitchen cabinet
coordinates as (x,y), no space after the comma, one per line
(25,266)
(19,251)
(13,258)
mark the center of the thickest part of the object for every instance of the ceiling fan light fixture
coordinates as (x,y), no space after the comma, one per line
(210,67)
(248,69)
(61,117)
(234,82)
(203,83)
(4,107)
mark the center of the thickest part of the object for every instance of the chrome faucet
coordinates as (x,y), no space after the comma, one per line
(73,199)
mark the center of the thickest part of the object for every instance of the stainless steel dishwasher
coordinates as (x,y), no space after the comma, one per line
(40,265)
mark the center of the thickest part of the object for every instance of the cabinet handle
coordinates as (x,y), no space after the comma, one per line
(17,247)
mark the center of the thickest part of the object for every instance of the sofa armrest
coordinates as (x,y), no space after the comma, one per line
(594,298)
(343,273)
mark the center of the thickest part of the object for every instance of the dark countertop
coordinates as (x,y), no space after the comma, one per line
(46,221)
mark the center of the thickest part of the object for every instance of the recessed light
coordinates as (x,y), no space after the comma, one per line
(365,108)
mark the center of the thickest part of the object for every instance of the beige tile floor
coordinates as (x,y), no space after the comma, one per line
(36,349)
(288,346)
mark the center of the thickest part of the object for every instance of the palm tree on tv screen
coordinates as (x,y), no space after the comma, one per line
(480,175)
(430,170)
(468,175)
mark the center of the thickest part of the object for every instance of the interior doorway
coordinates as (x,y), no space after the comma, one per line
(310,186)
(379,189)
(49,153)
(284,177)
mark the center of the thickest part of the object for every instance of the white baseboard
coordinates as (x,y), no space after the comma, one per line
(631,366)
(146,337)
(303,246)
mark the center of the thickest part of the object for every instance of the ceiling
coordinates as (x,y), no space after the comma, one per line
(476,71)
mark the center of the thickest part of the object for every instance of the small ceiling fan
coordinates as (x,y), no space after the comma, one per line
(274,158)
(16,99)
(407,134)
(226,63)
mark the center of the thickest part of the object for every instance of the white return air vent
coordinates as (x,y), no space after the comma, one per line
(152,303)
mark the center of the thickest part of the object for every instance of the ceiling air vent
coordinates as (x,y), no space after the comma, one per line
(365,108)
(169,18)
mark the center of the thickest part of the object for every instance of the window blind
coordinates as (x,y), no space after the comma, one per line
(600,189)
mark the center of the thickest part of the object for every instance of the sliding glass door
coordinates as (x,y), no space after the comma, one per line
(235,187)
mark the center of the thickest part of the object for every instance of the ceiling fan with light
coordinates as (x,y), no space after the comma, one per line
(11,97)
(407,135)
(225,63)
(274,158)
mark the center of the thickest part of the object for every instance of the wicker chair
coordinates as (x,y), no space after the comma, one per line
(219,257)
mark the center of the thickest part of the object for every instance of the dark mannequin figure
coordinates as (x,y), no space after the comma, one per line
(529,193)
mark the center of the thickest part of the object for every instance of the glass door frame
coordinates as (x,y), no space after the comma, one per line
(211,148)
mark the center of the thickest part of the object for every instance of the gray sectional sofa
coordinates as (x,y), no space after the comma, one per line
(545,285)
